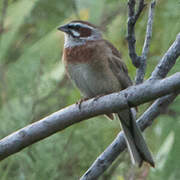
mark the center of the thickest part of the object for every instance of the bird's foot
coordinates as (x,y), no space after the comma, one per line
(98,96)
(80,102)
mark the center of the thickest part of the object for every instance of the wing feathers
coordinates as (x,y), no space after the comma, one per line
(118,67)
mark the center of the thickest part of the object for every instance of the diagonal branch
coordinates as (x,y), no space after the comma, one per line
(133,96)
(119,144)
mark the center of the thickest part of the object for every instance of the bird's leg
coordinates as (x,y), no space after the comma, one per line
(80,102)
(85,99)
(98,96)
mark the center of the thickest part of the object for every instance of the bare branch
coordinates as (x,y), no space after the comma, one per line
(132,18)
(141,6)
(62,119)
(148,31)
(142,68)
(131,37)
(139,61)
(119,144)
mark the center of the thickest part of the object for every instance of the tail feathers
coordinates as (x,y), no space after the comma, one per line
(134,153)
(138,149)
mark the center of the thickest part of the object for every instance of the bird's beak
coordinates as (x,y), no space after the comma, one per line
(64,28)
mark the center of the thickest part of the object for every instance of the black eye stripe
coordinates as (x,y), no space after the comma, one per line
(70,26)
(75,27)
(78,30)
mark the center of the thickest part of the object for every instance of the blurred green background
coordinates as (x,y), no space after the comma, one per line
(33,85)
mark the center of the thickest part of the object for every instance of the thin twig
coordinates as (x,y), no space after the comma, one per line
(141,6)
(131,34)
(132,19)
(148,30)
(143,58)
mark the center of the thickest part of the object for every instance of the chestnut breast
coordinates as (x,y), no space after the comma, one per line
(79,54)
(88,68)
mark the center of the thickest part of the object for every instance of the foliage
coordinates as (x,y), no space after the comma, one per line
(33,85)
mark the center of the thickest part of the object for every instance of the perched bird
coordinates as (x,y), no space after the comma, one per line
(96,68)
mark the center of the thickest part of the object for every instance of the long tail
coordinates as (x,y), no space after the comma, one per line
(138,149)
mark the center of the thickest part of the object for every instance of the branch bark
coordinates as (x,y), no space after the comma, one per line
(139,61)
(119,144)
(133,96)
(132,19)
(143,58)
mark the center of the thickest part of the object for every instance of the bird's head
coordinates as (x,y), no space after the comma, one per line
(79,32)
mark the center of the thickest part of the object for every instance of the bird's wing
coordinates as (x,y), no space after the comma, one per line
(118,67)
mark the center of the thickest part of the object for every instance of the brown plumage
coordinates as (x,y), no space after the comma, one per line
(96,68)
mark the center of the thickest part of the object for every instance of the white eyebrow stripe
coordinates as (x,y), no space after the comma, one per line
(82,25)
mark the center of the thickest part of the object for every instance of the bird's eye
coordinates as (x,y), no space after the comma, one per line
(70,26)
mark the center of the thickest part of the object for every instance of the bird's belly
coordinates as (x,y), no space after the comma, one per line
(92,82)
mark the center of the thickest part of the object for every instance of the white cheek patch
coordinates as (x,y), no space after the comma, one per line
(70,41)
(75,33)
